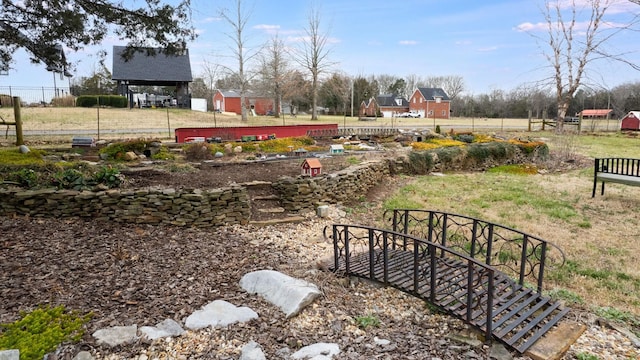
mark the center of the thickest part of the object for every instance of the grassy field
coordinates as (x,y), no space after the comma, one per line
(600,236)
(54,122)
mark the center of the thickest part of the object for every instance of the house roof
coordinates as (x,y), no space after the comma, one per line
(232,93)
(143,69)
(596,112)
(312,162)
(433,93)
(634,113)
(389,100)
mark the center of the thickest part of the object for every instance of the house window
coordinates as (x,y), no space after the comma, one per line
(399,102)
(430,112)
(414,100)
(420,100)
(444,113)
(438,100)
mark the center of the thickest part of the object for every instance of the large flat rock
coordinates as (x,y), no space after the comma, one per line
(291,295)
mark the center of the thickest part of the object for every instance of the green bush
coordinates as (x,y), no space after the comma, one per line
(108,176)
(116,151)
(465,138)
(41,331)
(447,155)
(116,101)
(420,162)
(26,178)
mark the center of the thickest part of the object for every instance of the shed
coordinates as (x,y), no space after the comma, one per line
(595,113)
(152,67)
(300,152)
(631,121)
(311,167)
(336,149)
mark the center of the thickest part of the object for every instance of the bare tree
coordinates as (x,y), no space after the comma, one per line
(314,55)
(573,45)
(210,74)
(274,67)
(238,20)
(453,85)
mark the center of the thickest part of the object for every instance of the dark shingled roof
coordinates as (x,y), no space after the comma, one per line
(390,100)
(432,93)
(144,69)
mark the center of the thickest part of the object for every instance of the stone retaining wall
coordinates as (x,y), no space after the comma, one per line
(347,185)
(149,206)
(199,207)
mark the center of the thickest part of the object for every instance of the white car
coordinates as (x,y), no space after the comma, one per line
(409,114)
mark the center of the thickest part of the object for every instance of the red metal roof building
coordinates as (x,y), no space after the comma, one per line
(595,113)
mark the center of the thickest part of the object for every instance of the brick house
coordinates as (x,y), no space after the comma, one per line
(388,105)
(430,103)
(391,104)
(229,101)
(368,108)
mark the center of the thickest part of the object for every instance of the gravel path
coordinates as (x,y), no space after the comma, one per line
(128,274)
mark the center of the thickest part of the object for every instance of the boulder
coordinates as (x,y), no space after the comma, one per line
(291,295)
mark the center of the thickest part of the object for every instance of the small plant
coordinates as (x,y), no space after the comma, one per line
(586,356)
(69,179)
(163,154)
(366,321)
(438,131)
(614,314)
(41,331)
(26,178)
(352,160)
(566,295)
(198,151)
(108,176)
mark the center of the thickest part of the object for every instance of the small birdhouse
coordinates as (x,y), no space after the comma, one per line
(311,167)
(336,149)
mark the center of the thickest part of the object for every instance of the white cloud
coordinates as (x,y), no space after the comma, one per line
(527,27)
(463,42)
(210,19)
(269,29)
(408,42)
(488,49)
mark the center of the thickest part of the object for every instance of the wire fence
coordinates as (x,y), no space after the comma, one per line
(32,96)
(45,117)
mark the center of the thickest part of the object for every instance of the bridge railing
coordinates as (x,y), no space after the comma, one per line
(424,269)
(513,252)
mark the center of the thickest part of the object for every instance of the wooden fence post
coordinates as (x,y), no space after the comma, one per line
(17,116)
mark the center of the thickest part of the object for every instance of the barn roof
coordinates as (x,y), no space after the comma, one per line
(236,94)
(596,112)
(634,113)
(312,163)
(156,69)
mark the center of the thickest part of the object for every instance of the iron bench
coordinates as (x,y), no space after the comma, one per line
(616,170)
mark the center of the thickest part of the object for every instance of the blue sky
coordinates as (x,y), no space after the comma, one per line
(481,41)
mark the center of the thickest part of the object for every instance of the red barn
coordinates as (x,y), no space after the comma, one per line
(631,121)
(229,101)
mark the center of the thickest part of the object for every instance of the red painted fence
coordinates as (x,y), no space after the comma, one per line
(237,132)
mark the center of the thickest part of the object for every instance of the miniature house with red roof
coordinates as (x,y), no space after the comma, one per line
(311,167)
